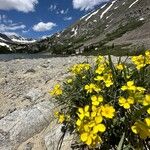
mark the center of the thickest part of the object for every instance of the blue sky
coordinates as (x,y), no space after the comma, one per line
(38,18)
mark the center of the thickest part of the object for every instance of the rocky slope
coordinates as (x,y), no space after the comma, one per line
(129,18)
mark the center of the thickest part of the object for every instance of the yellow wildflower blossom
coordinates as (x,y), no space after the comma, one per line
(83,112)
(107,111)
(125,103)
(96,100)
(142,129)
(92,87)
(139,61)
(146,100)
(120,66)
(69,81)
(130,86)
(57,90)
(61,118)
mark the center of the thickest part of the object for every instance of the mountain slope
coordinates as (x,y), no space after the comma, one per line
(109,22)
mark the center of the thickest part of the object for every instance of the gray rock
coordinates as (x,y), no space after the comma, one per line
(53,136)
(28,146)
(33,94)
(21,125)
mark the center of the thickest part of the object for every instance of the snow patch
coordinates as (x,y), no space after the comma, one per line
(3,44)
(94,13)
(103,6)
(107,9)
(116,7)
(133,3)
(75,31)
(94,20)
(23,41)
(123,3)
(84,16)
(109,16)
(141,19)
(2,39)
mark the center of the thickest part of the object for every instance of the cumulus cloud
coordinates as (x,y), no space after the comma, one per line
(86,4)
(41,26)
(19,5)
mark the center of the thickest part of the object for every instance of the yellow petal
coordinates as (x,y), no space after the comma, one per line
(101,127)
(84,137)
(86,108)
(134,129)
(78,122)
(98,119)
(126,105)
(89,141)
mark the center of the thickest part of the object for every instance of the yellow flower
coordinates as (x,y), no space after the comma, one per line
(99,78)
(120,66)
(107,111)
(79,68)
(69,81)
(61,118)
(99,128)
(147,121)
(125,103)
(130,86)
(146,100)
(148,110)
(100,69)
(92,87)
(57,90)
(147,55)
(83,112)
(100,59)
(88,137)
(142,129)
(107,78)
(56,114)
(96,100)
(139,61)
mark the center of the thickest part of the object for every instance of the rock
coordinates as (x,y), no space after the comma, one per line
(33,94)
(22,124)
(28,146)
(53,136)
(44,65)
(30,71)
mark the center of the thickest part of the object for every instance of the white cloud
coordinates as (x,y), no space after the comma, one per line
(52,7)
(67,18)
(10,33)
(19,5)
(86,4)
(41,26)
(63,12)
(5,28)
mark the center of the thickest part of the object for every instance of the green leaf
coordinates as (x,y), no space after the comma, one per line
(120,145)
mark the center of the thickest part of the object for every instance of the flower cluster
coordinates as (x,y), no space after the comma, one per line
(79,68)
(106,101)
(141,60)
(56,91)
(90,123)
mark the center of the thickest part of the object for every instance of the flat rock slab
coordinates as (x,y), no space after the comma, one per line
(21,125)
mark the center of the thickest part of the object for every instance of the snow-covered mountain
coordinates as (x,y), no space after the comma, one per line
(20,39)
